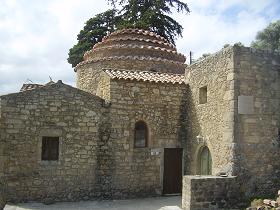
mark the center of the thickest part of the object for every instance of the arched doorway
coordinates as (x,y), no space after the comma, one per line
(204,161)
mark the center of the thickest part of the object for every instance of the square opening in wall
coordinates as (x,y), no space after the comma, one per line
(203,95)
(50,148)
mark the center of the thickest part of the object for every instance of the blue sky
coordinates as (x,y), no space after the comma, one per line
(37,34)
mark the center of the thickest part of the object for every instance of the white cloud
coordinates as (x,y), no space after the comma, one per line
(211,24)
(37,34)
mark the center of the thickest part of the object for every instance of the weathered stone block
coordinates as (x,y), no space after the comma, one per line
(251,208)
(267,201)
(207,192)
(274,204)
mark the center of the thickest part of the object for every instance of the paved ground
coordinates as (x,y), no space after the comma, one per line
(158,203)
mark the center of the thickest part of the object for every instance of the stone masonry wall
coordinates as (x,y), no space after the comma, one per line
(74,116)
(210,192)
(136,171)
(103,87)
(257,74)
(212,123)
(88,77)
(2,164)
(240,121)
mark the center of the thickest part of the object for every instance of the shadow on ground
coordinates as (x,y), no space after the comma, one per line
(157,203)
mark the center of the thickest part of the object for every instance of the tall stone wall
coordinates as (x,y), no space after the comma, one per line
(211,124)
(240,120)
(103,87)
(97,158)
(137,171)
(257,74)
(2,163)
(88,77)
(74,116)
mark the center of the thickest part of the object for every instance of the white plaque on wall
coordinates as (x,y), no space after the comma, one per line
(245,104)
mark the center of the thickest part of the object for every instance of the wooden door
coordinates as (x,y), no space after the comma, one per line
(172,175)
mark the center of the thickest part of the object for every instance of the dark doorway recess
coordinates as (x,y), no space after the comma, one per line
(172,175)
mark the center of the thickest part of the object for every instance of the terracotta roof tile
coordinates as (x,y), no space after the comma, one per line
(128,58)
(136,39)
(136,31)
(145,76)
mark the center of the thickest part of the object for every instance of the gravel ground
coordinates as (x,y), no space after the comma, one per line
(158,203)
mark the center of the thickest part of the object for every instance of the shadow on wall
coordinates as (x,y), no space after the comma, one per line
(105,168)
(189,128)
(2,194)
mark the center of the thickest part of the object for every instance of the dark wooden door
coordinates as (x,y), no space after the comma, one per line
(172,174)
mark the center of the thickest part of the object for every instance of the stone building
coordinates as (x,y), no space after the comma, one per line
(139,119)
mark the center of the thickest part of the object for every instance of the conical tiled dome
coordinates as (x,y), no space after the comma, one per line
(135,49)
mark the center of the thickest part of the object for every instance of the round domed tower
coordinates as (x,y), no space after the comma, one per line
(129,49)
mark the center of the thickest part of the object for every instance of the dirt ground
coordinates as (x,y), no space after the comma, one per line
(157,203)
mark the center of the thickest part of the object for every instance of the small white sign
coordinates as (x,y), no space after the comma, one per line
(155,152)
(245,104)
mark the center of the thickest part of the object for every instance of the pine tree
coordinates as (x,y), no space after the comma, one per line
(153,15)
(93,32)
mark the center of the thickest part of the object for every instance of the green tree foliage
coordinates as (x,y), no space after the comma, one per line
(153,15)
(93,32)
(150,15)
(268,38)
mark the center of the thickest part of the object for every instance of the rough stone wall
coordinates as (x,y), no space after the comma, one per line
(210,192)
(136,171)
(240,121)
(2,194)
(212,123)
(103,88)
(88,77)
(3,199)
(2,163)
(257,74)
(76,117)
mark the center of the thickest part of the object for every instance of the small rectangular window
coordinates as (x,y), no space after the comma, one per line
(203,95)
(50,148)
(140,135)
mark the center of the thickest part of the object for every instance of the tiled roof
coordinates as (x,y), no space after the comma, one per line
(145,76)
(181,57)
(117,58)
(136,31)
(34,86)
(30,87)
(136,39)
